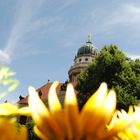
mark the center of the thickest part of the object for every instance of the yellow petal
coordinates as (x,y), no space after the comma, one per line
(96,99)
(22,133)
(37,106)
(7,129)
(26,111)
(72,112)
(41,115)
(53,101)
(109,109)
(70,98)
(131,110)
(39,134)
(120,122)
(8,109)
(110,105)
(93,110)
(56,109)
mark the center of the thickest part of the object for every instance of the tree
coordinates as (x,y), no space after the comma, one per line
(118,71)
(31,134)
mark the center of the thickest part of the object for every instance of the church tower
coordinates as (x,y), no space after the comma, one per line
(85,55)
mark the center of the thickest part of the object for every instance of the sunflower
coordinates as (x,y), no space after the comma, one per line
(125,126)
(98,120)
(9,129)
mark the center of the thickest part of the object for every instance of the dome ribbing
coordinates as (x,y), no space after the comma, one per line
(88,48)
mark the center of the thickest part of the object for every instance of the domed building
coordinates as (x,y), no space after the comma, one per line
(85,55)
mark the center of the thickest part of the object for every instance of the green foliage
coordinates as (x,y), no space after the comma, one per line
(7,81)
(119,72)
(31,134)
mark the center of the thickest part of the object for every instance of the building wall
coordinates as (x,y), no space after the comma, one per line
(80,63)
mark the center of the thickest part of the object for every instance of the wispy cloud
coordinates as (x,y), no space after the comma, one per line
(4,57)
(24,22)
(126,14)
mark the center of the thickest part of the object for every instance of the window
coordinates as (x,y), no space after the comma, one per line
(86,59)
(80,60)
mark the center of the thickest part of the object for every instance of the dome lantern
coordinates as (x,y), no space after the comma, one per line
(89,37)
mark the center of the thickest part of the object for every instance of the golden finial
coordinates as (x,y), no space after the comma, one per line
(89,37)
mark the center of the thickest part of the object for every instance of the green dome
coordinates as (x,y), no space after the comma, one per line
(88,48)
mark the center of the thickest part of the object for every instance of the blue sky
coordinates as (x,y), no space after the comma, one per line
(39,38)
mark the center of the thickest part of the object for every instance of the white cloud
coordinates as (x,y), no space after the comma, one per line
(24,22)
(4,57)
(125,15)
(131,8)
(128,14)
(40,23)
